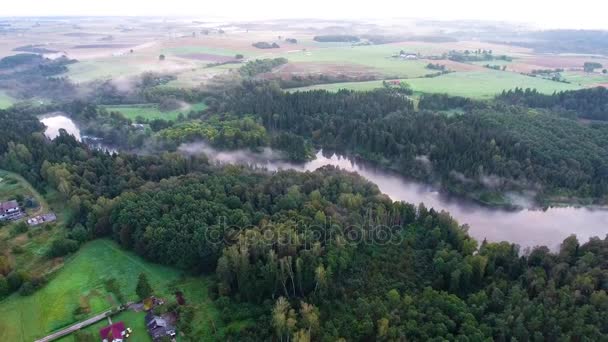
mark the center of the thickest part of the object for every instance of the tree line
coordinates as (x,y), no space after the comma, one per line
(492,148)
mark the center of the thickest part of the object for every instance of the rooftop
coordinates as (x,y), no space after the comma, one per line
(112,332)
(4,206)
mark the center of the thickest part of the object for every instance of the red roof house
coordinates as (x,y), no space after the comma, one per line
(113,333)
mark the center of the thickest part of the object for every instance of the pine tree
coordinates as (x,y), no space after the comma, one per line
(143,289)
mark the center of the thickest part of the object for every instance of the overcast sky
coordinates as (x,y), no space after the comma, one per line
(583,14)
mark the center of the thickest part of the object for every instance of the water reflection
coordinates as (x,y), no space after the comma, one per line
(526,227)
(57,120)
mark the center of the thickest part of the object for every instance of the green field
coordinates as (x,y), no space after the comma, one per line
(105,69)
(5,100)
(187,50)
(133,320)
(376,58)
(13,185)
(477,84)
(585,79)
(80,283)
(151,111)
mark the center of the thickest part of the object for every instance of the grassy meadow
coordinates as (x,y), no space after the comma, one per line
(585,79)
(151,111)
(80,284)
(476,84)
(195,49)
(13,185)
(5,100)
(376,58)
(27,250)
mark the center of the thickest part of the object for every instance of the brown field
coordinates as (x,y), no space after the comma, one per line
(312,68)
(102,46)
(207,57)
(565,62)
(82,34)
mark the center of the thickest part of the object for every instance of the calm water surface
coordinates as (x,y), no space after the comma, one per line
(528,227)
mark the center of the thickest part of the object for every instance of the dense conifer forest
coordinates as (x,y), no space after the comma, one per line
(491,148)
(324,255)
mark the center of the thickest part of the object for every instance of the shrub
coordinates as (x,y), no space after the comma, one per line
(61,247)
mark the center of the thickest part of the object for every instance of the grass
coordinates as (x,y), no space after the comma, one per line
(151,111)
(186,50)
(476,84)
(105,69)
(585,79)
(81,280)
(27,251)
(376,58)
(5,100)
(13,185)
(133,320)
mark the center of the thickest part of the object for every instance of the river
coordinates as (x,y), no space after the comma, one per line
(527,227)
(57,120)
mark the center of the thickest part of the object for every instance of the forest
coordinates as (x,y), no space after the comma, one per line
(313,256)
(491,148)
(589,104)
(323,255)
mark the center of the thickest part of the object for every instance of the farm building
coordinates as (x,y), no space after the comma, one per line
(158,327)
(408,55)
(113,333)
(40,219)
(10,210)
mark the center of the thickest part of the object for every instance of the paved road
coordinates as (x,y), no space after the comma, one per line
(74,327)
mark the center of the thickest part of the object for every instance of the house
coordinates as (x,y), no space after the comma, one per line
(158,327)
(113,333)
(408,55)
(40,219)
(10,210)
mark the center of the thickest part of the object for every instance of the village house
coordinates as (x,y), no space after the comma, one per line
(158,327)
(40,219)
(10,210)
(114,333)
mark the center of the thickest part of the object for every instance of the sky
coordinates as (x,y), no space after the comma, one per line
(579,14)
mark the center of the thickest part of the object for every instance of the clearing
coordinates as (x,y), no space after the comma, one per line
(80,286)
(151,111)
(476,84)
(376,57)
(5,100)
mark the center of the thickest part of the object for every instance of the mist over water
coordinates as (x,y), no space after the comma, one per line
(527,228)
(56,121)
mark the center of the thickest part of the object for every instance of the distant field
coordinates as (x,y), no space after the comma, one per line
(5,100)
(151,111)
(584,79)
(81,283)
(377,58)
(187,50)
(112,67)
(477,84)
(102,69)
